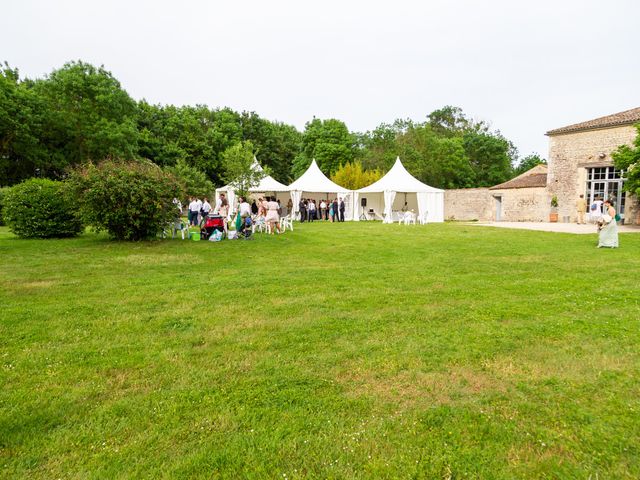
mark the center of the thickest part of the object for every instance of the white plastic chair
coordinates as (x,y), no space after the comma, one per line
(286,222)
(423,218)
(259,225)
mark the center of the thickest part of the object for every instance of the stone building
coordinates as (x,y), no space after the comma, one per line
(521,199)
(580,162)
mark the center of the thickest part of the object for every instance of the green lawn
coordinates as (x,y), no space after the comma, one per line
(336,351)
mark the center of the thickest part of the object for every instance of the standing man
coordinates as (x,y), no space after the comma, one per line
(581,207)
(341,208)
(206,207)
(303,210)
(198,215)
(312,210)
(194,210)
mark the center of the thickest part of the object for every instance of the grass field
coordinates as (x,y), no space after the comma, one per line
(336,351)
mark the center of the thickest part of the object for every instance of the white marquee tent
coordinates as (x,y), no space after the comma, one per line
(315,184)
(267,185)
(383,199)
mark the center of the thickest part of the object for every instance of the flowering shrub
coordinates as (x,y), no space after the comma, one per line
(130,200)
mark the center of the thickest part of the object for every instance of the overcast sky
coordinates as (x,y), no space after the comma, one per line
(526,67)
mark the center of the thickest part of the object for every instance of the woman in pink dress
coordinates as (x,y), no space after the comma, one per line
(272,218)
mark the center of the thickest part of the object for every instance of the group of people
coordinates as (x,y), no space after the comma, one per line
(332,210)
(267,209)
(199,209)
(604,215)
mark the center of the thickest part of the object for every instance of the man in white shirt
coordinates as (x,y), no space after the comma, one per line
(206,207)
(312,210)
(198,216)
(194,210)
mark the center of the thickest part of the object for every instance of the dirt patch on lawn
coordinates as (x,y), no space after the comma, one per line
(562,362)
(409,388)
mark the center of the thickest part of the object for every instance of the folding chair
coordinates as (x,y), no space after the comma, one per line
(286,222)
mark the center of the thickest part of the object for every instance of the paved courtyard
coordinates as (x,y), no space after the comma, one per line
(554,227)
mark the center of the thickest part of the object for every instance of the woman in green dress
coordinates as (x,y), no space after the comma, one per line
(608,228)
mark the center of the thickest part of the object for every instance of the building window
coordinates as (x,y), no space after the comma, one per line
(606,182)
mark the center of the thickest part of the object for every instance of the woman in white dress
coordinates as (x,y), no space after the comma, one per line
(608,227)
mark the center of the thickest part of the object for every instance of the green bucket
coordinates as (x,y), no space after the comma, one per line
(195,236)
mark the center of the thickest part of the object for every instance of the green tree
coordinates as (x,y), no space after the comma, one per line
(449,121)
(194,181)
(90,116)
(239,171)
(276,144)
(380,147)
(628,158)
(353,176)
(22,122)
(329,142)
(438,161)
(527,163)
(491,157)
(197,135)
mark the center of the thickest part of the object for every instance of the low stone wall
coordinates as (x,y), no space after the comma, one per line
(468,204)
(632,211)
(524,204)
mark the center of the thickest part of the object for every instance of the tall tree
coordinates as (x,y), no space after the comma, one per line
(527,163)
(22,113)
(491,157)
(276,144)
(329,142)
(238,165)
(90,116)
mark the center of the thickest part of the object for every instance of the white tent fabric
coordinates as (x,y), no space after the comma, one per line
(389,197)
(428,200)
(296,195)
(423,202)
(356,207)
(314,181)
(231,197)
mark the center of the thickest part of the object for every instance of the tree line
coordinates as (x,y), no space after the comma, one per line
(81,113)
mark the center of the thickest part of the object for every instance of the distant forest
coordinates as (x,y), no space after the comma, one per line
(81,113)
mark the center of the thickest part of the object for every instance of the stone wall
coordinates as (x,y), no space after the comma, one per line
(523,204)
(570,154)
(468,204)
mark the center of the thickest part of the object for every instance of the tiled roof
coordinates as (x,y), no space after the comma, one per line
(536,177)
(627,117)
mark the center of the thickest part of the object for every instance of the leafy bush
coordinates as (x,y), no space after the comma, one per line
(41,208)
(3,192)
(130,200)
